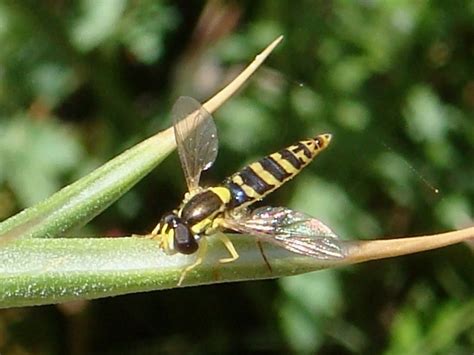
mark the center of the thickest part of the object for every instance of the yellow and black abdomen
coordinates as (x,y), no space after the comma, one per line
(258,179)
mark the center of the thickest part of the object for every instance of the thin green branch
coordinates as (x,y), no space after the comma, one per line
(44,271)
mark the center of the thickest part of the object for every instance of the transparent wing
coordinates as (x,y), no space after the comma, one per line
(292,230)
(196,138)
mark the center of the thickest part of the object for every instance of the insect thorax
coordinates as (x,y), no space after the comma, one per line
(200,211)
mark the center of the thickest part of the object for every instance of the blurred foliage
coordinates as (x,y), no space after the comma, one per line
(393,81)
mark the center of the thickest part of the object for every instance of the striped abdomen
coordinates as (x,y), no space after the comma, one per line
(258,179)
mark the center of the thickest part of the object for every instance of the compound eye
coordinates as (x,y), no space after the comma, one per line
(184,241)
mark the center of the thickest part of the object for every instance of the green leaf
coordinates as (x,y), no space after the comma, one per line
(43,271)
(97,23)
(42,150)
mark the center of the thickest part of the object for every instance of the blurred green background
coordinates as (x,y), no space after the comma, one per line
(393,81)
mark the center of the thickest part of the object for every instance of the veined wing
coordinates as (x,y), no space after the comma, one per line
(196,138)
(292,230)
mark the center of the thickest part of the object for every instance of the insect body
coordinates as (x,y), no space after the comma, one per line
(207,211)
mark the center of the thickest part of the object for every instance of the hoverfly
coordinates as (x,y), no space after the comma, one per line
(208,211)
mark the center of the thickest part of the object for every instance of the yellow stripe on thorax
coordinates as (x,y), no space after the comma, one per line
(222,192)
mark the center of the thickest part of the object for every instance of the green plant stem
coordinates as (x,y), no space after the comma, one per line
(45,271)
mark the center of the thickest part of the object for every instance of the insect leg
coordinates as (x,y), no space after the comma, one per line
(155,231)
(229,246)
(199,258)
